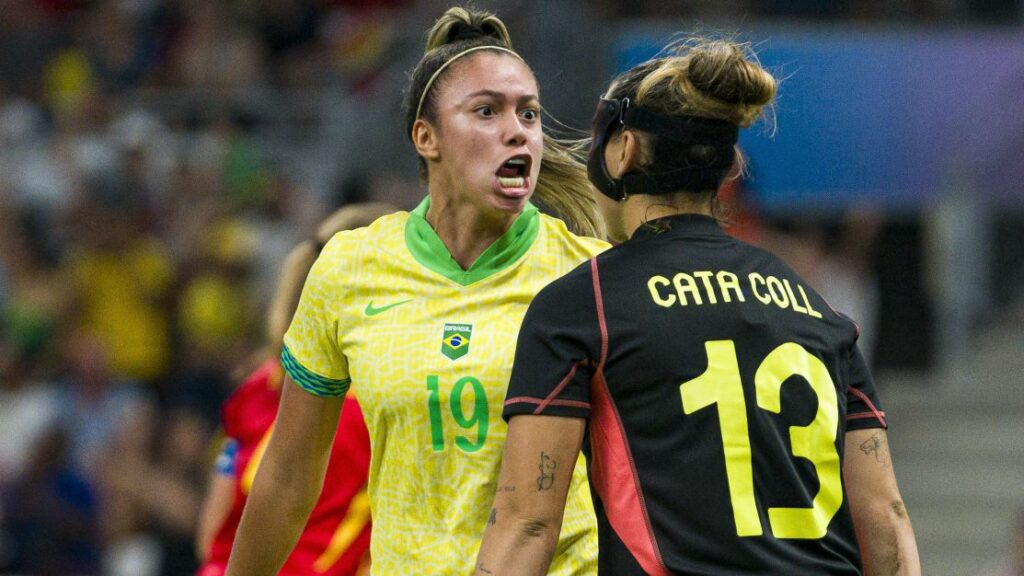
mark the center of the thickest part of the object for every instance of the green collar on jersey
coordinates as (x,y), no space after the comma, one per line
(428,249)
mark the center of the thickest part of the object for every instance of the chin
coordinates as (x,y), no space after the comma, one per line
(506,205)
(513,202)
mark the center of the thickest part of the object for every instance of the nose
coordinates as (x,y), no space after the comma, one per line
(515,131)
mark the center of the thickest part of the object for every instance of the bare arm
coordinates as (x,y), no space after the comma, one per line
(220,495)
(522,533)
(287,483)
(879,517)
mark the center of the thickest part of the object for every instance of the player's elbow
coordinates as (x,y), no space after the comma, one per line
(884,512)
(536,528)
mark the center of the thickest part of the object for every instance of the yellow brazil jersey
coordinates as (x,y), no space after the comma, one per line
(429,347)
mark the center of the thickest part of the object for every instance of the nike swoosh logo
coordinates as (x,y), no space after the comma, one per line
(372,311)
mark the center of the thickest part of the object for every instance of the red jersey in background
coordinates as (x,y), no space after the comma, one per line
(337,536)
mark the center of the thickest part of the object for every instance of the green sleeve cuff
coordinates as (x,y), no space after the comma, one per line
(310,381)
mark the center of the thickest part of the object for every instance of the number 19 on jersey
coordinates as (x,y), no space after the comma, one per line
(477,419)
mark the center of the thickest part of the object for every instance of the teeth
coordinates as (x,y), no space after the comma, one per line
(516,162)
(513,182)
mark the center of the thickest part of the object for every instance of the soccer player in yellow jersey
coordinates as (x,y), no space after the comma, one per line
(419,313)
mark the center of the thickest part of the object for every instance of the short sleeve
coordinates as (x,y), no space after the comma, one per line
(557,352)
(863,409)
(311,354)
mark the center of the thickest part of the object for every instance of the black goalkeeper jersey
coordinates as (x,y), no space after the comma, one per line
(718,387)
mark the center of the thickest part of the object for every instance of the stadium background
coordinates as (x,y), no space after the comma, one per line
(159,157)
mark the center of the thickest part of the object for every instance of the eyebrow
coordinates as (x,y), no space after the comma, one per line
(501,96)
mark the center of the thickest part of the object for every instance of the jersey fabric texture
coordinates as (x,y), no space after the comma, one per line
(718,388)
(337,536)
(428,347)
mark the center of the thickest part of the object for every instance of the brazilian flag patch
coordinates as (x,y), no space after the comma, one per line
(455,340)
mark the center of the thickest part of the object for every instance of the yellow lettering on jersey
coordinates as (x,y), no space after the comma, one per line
(756,279)
(778,292)
(653,284)
(705,277)
(792,297)
(810,311)
(729,281)
(690,286)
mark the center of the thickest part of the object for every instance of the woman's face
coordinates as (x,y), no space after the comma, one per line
(489,139)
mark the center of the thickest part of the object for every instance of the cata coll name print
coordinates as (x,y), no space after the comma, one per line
(701,287)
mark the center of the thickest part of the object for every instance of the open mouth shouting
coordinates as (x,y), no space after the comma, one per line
(513,175)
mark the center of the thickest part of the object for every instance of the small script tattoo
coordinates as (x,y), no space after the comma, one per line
(547,466)
(493,518)
(874,446)
(483,568)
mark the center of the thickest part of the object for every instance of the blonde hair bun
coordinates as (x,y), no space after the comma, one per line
(458,23)
(711,78)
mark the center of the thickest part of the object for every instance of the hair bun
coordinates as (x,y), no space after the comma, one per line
(459,24)
(464,31)
(725,72)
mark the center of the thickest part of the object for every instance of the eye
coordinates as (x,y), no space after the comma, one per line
(530,114)
(485,111)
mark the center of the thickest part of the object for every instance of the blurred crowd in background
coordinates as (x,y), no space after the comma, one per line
(158,158)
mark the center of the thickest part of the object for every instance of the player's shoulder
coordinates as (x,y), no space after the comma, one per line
(352,250)
(769,264)
(569,289)
(560,238)
(387,228)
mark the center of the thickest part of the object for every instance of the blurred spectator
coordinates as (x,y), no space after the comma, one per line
(121,281)
(155,500)
(212,316)
(50,516)
(212,54)
(95,403)
(28,410)
(27,38)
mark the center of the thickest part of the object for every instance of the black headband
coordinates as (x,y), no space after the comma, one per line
(673,167)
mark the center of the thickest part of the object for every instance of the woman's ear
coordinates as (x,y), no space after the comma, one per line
(424,138)
(630,158)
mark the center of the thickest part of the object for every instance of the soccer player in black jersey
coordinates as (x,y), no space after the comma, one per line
(728,418)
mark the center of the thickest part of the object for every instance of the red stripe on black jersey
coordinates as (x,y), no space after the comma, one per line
(613,472)
(875,412)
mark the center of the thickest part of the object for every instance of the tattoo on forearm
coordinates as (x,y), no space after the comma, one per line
(547,466)
(483,568)
(493,518)
(875,446)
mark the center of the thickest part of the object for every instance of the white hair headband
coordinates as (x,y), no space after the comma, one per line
(430,82)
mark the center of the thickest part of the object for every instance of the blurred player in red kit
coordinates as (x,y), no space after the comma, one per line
(336,539)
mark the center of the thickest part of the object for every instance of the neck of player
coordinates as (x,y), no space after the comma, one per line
(636,210)
(465,230)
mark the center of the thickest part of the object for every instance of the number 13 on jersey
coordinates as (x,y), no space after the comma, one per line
(721,385)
